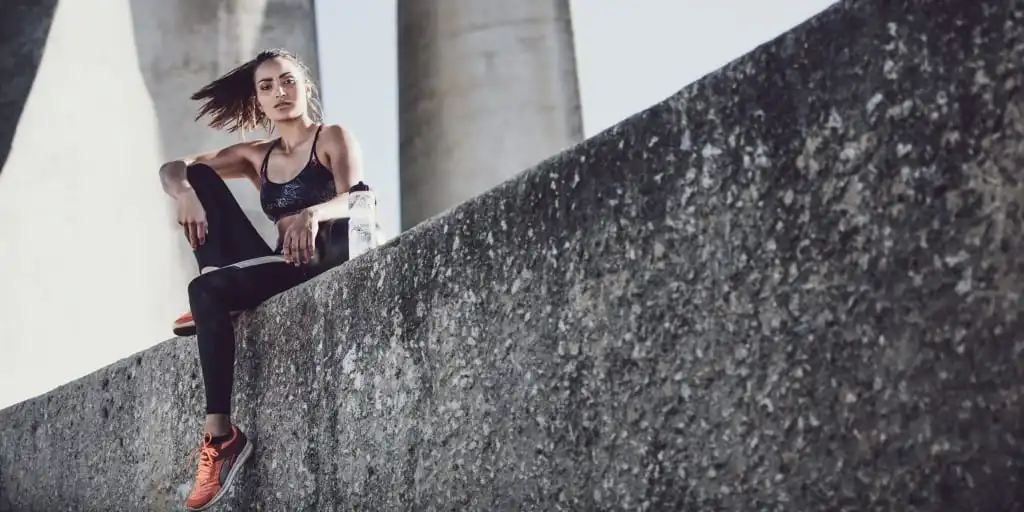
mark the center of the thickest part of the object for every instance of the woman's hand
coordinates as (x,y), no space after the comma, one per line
(300,238)
(192,216)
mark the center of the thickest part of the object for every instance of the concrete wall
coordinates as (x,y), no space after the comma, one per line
(486,89)
(92,264)
(795,285)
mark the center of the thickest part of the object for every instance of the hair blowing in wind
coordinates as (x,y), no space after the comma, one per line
(230,101)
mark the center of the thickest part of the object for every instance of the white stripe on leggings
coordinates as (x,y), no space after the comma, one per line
(262,260)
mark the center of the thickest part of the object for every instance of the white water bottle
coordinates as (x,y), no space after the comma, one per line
(362,220)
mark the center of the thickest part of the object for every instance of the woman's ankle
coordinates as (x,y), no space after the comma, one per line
(218,425)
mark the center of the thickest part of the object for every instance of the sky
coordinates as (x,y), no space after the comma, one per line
(630,55)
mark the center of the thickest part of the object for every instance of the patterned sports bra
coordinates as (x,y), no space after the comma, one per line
(313,185)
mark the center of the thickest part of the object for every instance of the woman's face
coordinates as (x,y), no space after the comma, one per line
(281,89)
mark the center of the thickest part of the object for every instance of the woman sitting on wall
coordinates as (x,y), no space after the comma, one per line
(302,176)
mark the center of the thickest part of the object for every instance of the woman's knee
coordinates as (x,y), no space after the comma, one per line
(199,172)
(203,295)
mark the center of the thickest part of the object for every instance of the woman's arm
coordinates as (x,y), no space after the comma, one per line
(344,159)
(230,162)
(345,162)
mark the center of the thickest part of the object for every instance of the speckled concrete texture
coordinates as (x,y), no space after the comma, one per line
(795,285)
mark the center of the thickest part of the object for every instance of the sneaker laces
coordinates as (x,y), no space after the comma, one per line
(208,453)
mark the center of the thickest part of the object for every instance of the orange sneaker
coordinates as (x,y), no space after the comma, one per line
(218,466)
(186,326)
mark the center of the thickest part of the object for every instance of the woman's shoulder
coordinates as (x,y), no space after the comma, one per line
(256,144)
(252,149)
(336,135)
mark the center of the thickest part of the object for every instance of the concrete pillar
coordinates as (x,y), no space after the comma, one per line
(486,89)
(93,266)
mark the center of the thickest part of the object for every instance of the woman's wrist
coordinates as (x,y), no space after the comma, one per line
(184,189)
(312,213)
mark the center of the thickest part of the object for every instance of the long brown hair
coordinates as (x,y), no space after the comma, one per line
(230,101)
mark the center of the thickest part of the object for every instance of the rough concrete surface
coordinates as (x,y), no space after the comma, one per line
(795,285)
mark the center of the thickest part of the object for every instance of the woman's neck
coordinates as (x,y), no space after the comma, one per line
(294,132)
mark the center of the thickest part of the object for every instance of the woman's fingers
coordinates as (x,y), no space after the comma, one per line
(296,255)
(193,236)
(201,231)
(305,246)
(298,246)
(287,246)
(196,232)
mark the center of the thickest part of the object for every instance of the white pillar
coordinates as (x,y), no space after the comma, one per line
(487,88)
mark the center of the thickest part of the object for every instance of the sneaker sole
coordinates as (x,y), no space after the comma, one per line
(189,329)
(185,330)
(242,457)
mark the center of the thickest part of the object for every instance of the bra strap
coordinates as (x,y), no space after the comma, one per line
(312,152)
(266,160)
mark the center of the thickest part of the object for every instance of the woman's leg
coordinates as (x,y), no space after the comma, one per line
(331,246)
(213,297)
(230,236)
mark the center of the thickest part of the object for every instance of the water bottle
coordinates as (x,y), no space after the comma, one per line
(362,220)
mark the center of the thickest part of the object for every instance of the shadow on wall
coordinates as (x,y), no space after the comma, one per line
(24,29)
(178,47)
(166,38)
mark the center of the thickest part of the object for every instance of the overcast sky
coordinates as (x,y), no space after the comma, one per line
(630,55)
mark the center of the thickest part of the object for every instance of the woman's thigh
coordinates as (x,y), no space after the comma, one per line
(243,288)
(331,246)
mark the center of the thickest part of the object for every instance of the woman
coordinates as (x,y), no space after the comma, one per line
(302,176)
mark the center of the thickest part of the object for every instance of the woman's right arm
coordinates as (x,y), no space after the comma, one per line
(230,162)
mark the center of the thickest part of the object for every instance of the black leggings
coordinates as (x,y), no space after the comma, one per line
(239,284)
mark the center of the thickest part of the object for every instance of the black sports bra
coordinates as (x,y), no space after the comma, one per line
(313,185)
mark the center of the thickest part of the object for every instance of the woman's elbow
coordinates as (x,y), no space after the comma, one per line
(172,167)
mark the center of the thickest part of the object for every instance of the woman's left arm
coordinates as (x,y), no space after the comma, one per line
(345,161)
